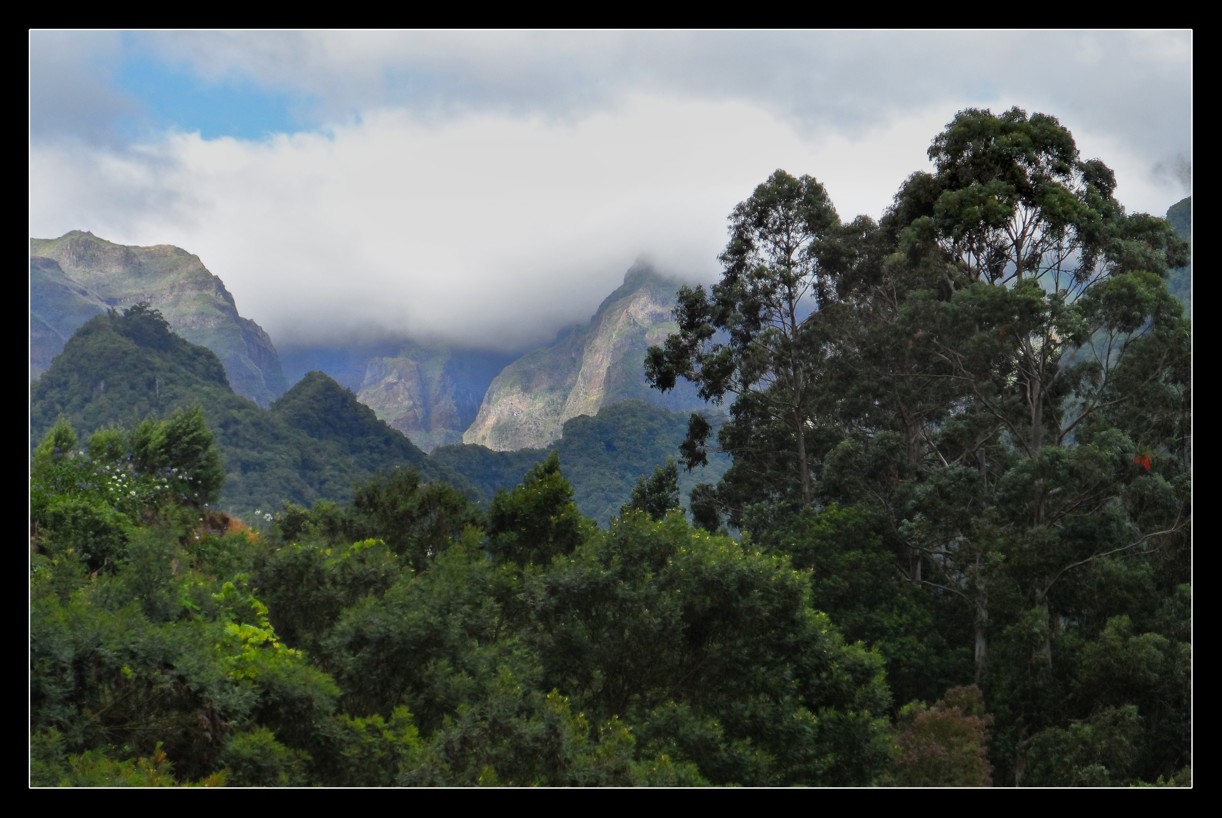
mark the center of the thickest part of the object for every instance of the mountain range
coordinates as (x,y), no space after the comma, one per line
(585,368)
(317,442)
(486,416)
(79,275)
(98,359)
(436,394)
(439,395)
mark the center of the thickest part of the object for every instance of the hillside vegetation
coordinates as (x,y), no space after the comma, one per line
(316,442)
(78,275)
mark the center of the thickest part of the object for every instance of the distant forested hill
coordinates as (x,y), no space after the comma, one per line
(78,275)
(316,442)
(603,456)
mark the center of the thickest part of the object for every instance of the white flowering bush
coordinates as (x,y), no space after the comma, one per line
(85,500)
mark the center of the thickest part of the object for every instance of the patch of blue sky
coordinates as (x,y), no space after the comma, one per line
(981,90)
(172,97)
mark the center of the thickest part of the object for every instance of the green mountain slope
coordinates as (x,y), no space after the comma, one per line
(58,306)
(317,442)
(79,275)
(603,456)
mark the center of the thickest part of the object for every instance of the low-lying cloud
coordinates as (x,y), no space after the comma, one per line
(489,188)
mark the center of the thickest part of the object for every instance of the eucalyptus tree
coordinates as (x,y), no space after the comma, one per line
(1011,204)
(746,336)
(1044,375)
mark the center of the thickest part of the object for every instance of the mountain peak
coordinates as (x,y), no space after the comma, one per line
(642,272)
(85,275)
(587,368)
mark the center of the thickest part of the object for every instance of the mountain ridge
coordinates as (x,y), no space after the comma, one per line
(316,442)
(79,275)
(587,367)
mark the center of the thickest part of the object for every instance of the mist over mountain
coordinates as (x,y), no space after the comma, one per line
(585,368)
(344,362)
(440,394)
(436,393)
(91,365)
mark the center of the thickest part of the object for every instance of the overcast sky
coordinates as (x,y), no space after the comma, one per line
(490,187)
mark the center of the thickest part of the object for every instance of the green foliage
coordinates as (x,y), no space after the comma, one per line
(157,467)
(105,375)
(257,759)
(92,529)
(999,444)
(327,413)
(86,506)
(317,442)
(182,449)
(706,512)
(962,463)
(603,457)
(370,751)
(649,614)
(1099,752)
(307,585)
(1179,282)
(59,443)
(858,580)
(150,655)
(430,642)
(146,327)
(537,521)
(109,445)
(657,494)
(416,520)
(50,766)
(516,739)
(747,337)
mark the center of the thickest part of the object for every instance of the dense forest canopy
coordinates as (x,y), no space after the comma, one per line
(952,546)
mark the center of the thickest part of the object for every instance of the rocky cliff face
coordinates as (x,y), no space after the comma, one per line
(58,307)
(585,369)
(79,275)
(429,393)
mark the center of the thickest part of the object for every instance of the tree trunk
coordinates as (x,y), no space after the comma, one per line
(1044,654)
(803,466)
(981,621)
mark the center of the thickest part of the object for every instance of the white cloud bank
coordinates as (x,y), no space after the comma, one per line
(488,191)
(487,229)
